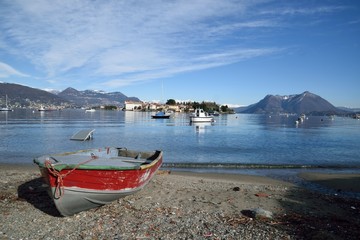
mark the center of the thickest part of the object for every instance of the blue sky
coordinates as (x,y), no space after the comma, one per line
(231,52)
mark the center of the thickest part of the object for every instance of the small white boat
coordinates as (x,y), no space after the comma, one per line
(300,119)
(90,110)
(6,108)
(43,109)
(214,113)
(161,115)
(200,116)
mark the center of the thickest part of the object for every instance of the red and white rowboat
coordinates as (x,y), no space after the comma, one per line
(86,179)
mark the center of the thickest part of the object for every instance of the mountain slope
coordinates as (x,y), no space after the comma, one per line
(22,96)
(308,102)
(305,102)
(94,98)
(268,104)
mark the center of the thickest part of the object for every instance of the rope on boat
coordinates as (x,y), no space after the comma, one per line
(59,190)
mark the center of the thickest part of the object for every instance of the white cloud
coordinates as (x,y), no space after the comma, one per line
(7,71)
(291,10)
(127,42)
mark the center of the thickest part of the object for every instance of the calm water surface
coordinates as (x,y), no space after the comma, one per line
(233,140)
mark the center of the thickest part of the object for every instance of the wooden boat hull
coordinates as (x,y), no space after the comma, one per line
(88,186)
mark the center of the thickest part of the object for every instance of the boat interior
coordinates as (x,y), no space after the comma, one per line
(104,157)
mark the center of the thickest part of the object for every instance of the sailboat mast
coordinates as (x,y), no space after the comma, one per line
(162,91)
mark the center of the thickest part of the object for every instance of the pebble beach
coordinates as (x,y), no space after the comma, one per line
(181,205)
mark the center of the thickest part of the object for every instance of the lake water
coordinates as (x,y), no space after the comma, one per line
(232,142)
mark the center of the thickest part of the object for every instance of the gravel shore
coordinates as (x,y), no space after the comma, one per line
(177,205)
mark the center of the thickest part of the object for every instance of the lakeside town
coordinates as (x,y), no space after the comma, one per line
(170,105)
(15,96)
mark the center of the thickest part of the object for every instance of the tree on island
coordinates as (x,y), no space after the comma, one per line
(224,108)
(171,102)
(207,106)
(110,107)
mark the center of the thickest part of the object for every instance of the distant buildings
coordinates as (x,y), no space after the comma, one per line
(132,106)
(149,106)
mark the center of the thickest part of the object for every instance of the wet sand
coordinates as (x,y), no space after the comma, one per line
(340,182)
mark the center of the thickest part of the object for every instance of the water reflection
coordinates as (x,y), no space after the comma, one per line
(292,121)
(201,127)
(4,116)
(235,138)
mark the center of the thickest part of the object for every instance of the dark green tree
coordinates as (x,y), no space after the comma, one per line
(224,108)
(171,102)
(110,107)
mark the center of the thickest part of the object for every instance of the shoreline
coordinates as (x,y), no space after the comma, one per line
(327,179)
(338,181)
(183,205)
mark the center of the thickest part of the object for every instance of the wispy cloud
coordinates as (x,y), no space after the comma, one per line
(127,42)
(300,10)
(7,71)
(202,62)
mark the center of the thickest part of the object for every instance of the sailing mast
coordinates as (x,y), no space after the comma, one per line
(162,91)
(6,108)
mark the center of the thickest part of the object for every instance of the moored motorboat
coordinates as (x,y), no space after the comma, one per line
(161,115)
(201,116)
(86,179)
(6,108)
(43,109)
(214,113)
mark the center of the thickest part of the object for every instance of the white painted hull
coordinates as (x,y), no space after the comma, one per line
(201,119)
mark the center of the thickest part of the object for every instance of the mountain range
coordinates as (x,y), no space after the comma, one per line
(306,102)
(94,98)
(23,96)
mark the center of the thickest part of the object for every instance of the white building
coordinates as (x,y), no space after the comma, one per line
(131,106)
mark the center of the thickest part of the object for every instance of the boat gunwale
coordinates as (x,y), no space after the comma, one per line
(140,166)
